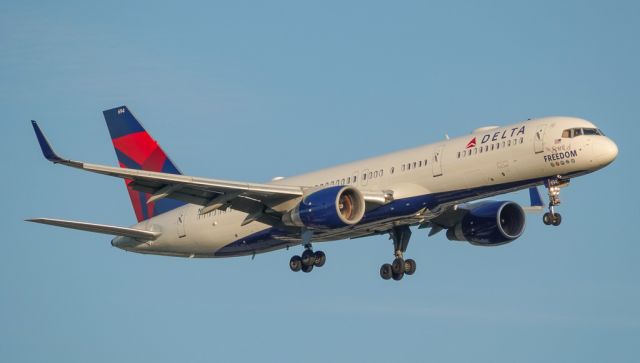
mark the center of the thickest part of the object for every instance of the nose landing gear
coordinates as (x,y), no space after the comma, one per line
(400,266)
(553,187)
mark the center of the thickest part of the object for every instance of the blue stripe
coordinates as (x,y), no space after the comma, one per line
(121,122)
(398,208)
(127,161)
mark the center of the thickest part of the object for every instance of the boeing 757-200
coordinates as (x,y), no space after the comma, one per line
(436,186)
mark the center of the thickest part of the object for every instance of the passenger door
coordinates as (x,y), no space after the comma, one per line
(181,228)
(538,139)
(437,161)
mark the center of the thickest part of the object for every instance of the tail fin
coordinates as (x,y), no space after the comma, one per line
(136,149)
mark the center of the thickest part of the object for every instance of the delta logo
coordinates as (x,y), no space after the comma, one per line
(471,143)
(499,135)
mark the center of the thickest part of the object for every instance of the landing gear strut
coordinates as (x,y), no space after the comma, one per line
(309,258)
(553,186)
(396,270)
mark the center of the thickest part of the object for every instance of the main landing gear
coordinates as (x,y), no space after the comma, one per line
(553,186)
(400,266)
(309,258)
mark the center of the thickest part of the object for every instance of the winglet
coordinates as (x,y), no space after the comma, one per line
(47,151)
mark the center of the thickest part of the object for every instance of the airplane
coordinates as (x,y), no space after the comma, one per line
(441,186)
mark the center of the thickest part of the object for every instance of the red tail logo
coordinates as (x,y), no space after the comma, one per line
(471,143)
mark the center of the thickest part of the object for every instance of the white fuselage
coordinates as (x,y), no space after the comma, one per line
(488,162)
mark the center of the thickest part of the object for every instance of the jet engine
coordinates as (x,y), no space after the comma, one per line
(328,208)
(489,224)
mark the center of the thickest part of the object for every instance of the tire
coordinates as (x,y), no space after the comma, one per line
(308,258)
(398,277)
(398,266)
(557,219)
(385,271)
(546,218)
(307,269)
(320,258)
(409,267)
(295,263)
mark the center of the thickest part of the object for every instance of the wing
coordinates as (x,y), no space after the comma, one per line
(259,200)
(210,193)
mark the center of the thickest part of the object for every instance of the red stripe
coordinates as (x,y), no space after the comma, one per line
(138,146)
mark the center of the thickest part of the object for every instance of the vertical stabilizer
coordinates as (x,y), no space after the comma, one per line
(136,149)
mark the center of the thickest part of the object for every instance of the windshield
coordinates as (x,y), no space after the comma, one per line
(578,131)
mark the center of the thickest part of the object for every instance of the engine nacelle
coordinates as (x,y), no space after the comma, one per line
(328,208)
(489,224)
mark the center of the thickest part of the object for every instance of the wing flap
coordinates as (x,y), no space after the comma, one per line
(99,228)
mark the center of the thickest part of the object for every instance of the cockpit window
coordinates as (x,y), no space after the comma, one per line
(578,131)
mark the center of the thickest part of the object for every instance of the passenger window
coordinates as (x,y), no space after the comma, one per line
(364,176)
(354,178)
(414,164)
(409,166)
(420,163)
(370,175)
(375,174)
(381,173)
(492,146)
(402,168)
(342,181)
(509,143)
(458,154)
(392,169)
(521,140)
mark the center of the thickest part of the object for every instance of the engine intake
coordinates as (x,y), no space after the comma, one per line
(489,224)
(328,208)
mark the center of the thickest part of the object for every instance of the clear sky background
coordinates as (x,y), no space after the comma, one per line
(252,90)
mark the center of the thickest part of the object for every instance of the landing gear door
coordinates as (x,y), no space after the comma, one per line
(437,161)
(538,139)
(181,229)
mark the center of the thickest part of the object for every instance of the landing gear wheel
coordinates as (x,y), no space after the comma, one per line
(557,219)
(547,218)
(308,258)
(409,267)
(320,258)
(295,263)
(385,271)
(398,277)
(307,268)
(398,266)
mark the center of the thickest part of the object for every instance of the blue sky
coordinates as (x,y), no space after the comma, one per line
(253,90)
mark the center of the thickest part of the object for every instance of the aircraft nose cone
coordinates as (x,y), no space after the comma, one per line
(608,151)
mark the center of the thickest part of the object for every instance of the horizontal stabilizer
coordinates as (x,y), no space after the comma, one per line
(99,228)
